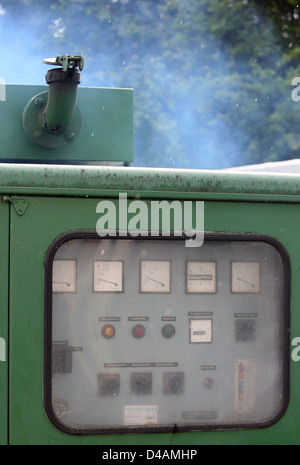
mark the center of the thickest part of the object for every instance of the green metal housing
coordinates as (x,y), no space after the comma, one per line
(89,138)
(39,203)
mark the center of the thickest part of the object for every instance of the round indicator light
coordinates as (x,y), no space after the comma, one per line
(138,331)
(108,331)
(168,331)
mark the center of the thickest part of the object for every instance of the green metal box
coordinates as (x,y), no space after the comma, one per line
(48,210)
(102,112)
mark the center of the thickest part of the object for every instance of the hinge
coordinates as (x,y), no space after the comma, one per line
(19,204)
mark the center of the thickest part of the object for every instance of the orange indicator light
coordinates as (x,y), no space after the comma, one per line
(108,331)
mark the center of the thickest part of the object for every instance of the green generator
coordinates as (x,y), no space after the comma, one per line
(139,306)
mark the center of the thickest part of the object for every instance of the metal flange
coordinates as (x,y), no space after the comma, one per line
(33,120)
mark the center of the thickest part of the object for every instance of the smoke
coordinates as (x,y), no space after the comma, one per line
(201,99)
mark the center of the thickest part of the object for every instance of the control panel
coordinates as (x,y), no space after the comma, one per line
(147,333)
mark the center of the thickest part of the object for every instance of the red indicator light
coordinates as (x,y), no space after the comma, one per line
(138,331)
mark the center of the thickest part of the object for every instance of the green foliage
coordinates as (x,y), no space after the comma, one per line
(212,78)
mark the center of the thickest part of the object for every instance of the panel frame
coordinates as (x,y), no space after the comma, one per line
(160,428)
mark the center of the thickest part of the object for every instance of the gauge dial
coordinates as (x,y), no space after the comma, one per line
(156,276)
(201,277)
(64,276)
(245,277)
(108,276)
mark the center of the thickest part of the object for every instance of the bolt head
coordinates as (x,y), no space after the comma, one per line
(37,134)
(70,135)
(39,101)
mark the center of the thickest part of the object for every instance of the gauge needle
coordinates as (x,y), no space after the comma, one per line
(247,282)
(109,282)
(154,280)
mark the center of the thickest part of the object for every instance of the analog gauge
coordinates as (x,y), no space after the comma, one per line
(245,277)
(201,277)
(155,276)
(108,276)
(200,331)
(64,276)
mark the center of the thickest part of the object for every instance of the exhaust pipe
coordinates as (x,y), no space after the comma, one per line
(52,119)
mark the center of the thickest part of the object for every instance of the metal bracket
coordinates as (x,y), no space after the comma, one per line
(20,205)
(32,117)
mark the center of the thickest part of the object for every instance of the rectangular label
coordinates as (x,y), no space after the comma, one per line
(244,385)
(140,414)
